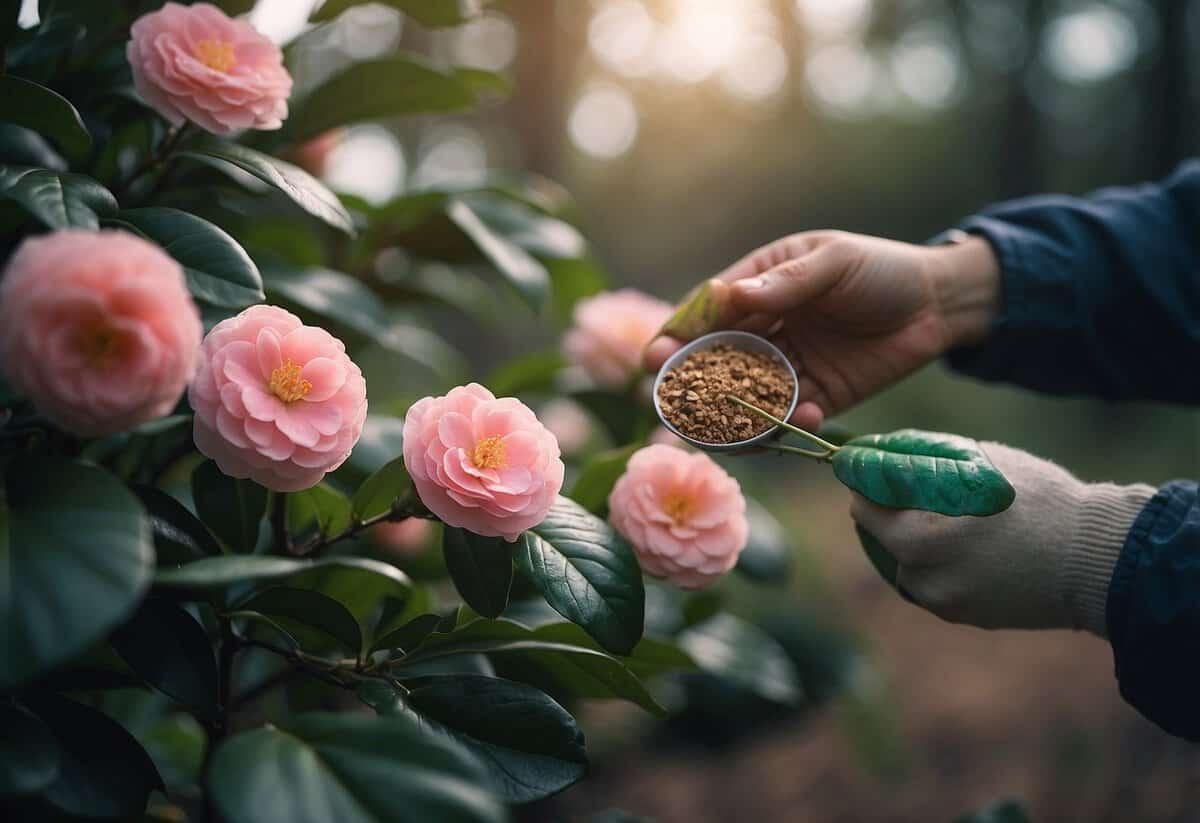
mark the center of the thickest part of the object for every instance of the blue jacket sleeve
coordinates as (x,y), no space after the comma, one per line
(1101,294)
(1153,611)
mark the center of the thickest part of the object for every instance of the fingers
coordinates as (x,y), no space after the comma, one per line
(808,416)
(795,281)
(659,351)
(915,538)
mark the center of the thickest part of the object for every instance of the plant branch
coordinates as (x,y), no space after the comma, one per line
(279,524)
(342,673)
(161,153)
(402,509)
(830,448)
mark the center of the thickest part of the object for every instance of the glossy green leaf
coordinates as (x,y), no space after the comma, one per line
(745,655)
(10,12)
(698,315)
(884,561)
(361,585)
(57,199)
(598,476)
(529,744)
(588,573)
(321,509)
(301,187)
(572,281)
(103,770)
(51,115)
(625,419)
(433,13)
(351,768)
(912,469)
(308,608)
(29,755)
(379,492)
(409,635)
(232,508)
(178,536)
(650,657)
(520,269)
(381,442)
(217,268)
(520,653)
(378,89)
(176,744)
(481,568)
(767,555)
(168,649)
(229,570)
(347,304)
(76,553)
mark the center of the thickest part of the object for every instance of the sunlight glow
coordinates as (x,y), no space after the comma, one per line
(925,66)
(833,18)
(604,122)
(487,42)
(1091,44)
(453,155)
(281,20)
(842,78)
(621,35)
(369,163)
(759,71)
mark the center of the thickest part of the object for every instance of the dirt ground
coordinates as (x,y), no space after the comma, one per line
(982,715)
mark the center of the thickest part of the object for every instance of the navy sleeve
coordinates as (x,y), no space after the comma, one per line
(1153,611)
(1101,294)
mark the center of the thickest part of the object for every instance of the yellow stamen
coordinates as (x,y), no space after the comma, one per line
(489,453)
(100,346)
(677,507)
(287,384)
(216,54)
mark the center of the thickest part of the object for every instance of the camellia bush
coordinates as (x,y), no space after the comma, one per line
(271,549)
(239,581)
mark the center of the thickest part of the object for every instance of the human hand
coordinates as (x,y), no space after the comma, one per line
(1043,563)
(855,313)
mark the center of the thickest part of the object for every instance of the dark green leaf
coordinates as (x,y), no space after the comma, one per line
(218,269)
(744,655)
(573,280)
(10,11)
(348,304)
(883,560)
(598,476)
(321,508)
(433,13)
(481,568)
(483,83)
(378,89)
(230,570)
(352,769)
(522,271)
(103,771)
(178,536)
(912,469)
(767,556)
(171,651)
(530,745)
(176,744)
(588,573)
(231,507)
(410,635)
(23,147)
(625,419)
(651,656)
(46,112)
(1003,811)
(59,200)
(76,553)
(28,752)
(305,190)
(360,584)
(533,372)
(381,490)
(521,654)
(309,608)
(381,442)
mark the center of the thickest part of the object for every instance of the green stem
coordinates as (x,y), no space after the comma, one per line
(156,158)
(279,524)
(823,457)
(809,436)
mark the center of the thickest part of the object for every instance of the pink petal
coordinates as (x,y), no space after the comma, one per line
(325,375)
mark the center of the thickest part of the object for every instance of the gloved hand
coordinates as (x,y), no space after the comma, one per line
(1044,563)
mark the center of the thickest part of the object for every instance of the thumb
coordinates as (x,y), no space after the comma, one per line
(794,282)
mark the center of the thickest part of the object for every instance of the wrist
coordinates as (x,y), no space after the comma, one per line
(966,283)
(1105,515)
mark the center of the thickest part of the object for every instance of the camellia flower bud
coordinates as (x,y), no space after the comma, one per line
(610,331)
(98,329)
(276,401)
(481,463)
(683,514)
(196,63)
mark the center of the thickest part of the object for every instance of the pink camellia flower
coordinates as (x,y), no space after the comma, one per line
(196,63)
(276,401)
(481,463)
(405,538)
(569,424)
(684,515)
(98,329)
(611,329)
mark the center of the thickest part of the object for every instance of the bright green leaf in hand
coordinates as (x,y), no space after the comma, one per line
(912,469)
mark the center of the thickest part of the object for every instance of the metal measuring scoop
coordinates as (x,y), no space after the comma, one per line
(737,340)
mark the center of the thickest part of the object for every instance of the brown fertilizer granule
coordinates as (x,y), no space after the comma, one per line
(692,395)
